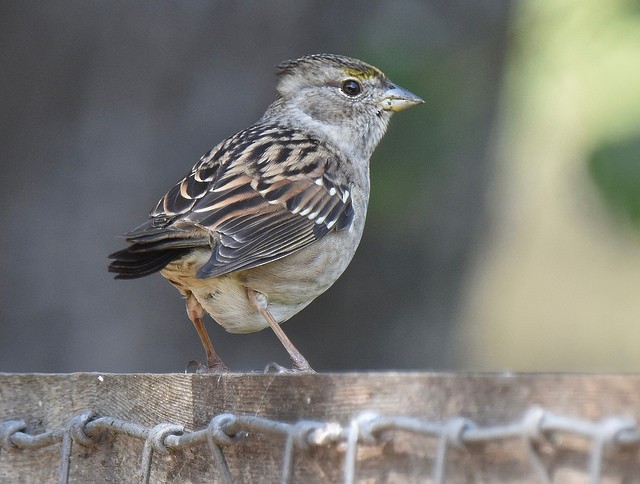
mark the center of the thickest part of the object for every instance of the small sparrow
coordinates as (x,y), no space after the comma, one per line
(269,219)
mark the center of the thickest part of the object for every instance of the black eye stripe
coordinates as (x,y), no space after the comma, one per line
(351,87)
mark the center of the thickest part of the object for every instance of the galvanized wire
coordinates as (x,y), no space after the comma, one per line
(368,428)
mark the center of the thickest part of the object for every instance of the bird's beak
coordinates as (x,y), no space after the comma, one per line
(397,98)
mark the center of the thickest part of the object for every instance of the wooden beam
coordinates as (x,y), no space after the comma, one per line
(47,401)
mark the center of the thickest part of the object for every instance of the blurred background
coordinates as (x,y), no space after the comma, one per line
(503,225)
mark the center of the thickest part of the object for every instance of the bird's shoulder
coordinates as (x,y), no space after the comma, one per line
(265,164)
(258,196)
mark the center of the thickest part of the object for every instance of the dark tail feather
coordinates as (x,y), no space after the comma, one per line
(129,264)
(152,248)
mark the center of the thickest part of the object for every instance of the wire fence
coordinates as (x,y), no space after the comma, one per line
(535,426)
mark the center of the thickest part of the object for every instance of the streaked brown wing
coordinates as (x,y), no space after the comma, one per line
(261,195)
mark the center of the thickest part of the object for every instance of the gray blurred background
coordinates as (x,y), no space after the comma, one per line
(105,105)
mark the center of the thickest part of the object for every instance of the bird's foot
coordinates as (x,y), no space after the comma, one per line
(200,369)
(295,370)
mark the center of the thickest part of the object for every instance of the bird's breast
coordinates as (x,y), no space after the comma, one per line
(289,284)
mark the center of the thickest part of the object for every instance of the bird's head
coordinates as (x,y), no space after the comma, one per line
(345,99)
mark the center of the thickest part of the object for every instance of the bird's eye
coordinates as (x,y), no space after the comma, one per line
(351,87)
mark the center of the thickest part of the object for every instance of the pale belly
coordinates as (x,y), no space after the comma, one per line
(289,284)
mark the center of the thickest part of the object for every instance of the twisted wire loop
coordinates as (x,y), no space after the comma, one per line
(358,430)
(351,453)
(298,436)
(74,433)
(532,436)
(329,433)
(606,437)
(217,436)
(535,426)
(451,435)
(7,430)
(155,442)
(303,435)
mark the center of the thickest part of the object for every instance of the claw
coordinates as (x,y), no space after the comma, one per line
(200,369)
(281,370)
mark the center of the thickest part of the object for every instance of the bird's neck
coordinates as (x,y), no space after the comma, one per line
(352,139)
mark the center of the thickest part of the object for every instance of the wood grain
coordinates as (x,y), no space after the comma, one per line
(47,401)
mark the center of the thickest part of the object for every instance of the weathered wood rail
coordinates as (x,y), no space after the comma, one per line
(46,402)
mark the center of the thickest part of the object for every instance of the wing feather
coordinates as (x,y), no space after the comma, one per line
(258,196)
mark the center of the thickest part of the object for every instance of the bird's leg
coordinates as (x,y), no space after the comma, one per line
(196,312)
(259,301)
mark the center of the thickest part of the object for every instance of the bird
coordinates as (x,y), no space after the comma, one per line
(270,218)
